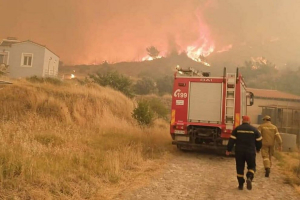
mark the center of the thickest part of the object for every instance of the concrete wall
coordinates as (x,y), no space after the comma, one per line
(51,62)
(17,69)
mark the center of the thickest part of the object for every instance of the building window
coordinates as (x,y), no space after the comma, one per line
(27,60)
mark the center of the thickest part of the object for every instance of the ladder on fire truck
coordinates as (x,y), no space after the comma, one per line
(230,100)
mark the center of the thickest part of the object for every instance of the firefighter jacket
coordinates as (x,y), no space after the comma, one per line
(246,138)
(270,134)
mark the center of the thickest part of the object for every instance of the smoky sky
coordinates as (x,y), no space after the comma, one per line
(86,31)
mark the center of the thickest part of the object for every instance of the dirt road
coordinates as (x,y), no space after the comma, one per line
(202,176)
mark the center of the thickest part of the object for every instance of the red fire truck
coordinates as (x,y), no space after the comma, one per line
(206,109)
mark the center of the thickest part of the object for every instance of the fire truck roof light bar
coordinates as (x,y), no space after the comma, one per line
(191,71)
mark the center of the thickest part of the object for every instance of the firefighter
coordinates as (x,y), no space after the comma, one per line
(248,142)
(270,134)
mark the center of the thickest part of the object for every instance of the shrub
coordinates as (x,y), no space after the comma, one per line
(165,85)
(115,80)
(145,86)
(159,108)
(143,113)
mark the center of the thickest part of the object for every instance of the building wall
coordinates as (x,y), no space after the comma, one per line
(254,111)
(51,62)
(16,69)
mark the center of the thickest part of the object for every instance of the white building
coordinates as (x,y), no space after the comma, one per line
(27,58)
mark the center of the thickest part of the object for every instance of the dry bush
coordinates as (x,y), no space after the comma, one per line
(290,163)
(70,141)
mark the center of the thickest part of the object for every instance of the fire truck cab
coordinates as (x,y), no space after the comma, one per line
(206,109)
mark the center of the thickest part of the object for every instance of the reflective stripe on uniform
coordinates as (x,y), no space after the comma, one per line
(241,131)
(250,170)
(277,133)
(270,128)
(233,137)
(258,139)
(240,175)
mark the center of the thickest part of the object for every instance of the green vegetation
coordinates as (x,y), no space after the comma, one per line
(143,113)
(144,86)
(115,80)
(265,75)
(165,85)
(152,52)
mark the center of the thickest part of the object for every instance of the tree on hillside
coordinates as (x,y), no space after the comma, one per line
(115,80)
(153,52)
(260,73)
(289,81)
(144,86)
(165,85)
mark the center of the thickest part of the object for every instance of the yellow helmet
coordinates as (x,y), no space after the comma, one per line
(267,117)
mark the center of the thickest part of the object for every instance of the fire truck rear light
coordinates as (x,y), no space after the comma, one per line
(182,84)
(179,127)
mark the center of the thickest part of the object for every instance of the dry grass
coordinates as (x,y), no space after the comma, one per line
(71,142)
(289,162)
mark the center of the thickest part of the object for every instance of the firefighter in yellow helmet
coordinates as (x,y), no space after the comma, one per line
(270,134)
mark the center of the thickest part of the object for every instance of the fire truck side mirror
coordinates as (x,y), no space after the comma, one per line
(251,99)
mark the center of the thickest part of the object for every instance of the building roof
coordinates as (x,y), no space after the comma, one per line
(36,44)
(8,42)
(273,94)
(281,107)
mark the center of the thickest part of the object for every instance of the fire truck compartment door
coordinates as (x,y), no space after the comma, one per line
(205,100)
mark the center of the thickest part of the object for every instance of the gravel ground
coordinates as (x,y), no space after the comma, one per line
(195,175)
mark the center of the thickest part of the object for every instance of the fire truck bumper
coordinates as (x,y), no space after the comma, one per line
(191,146)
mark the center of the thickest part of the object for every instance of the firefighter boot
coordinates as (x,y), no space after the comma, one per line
(267,172)
(249,183)
(250,177)
(241,183)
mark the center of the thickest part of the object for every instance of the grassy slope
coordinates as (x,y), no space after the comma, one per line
(69,141)
(289,163)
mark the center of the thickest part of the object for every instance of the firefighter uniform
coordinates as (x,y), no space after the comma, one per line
(270,135)
(247,141)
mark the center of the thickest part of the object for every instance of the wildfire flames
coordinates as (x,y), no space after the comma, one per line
(150,58)
(199,49)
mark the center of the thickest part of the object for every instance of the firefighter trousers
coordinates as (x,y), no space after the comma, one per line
(241,158)
(267,152)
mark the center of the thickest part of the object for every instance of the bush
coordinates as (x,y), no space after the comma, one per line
(115,80)
(145,86)
(143,113)
(165,85)
(159,108)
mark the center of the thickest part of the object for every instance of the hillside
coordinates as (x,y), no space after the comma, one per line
(68,141)
(155,68)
